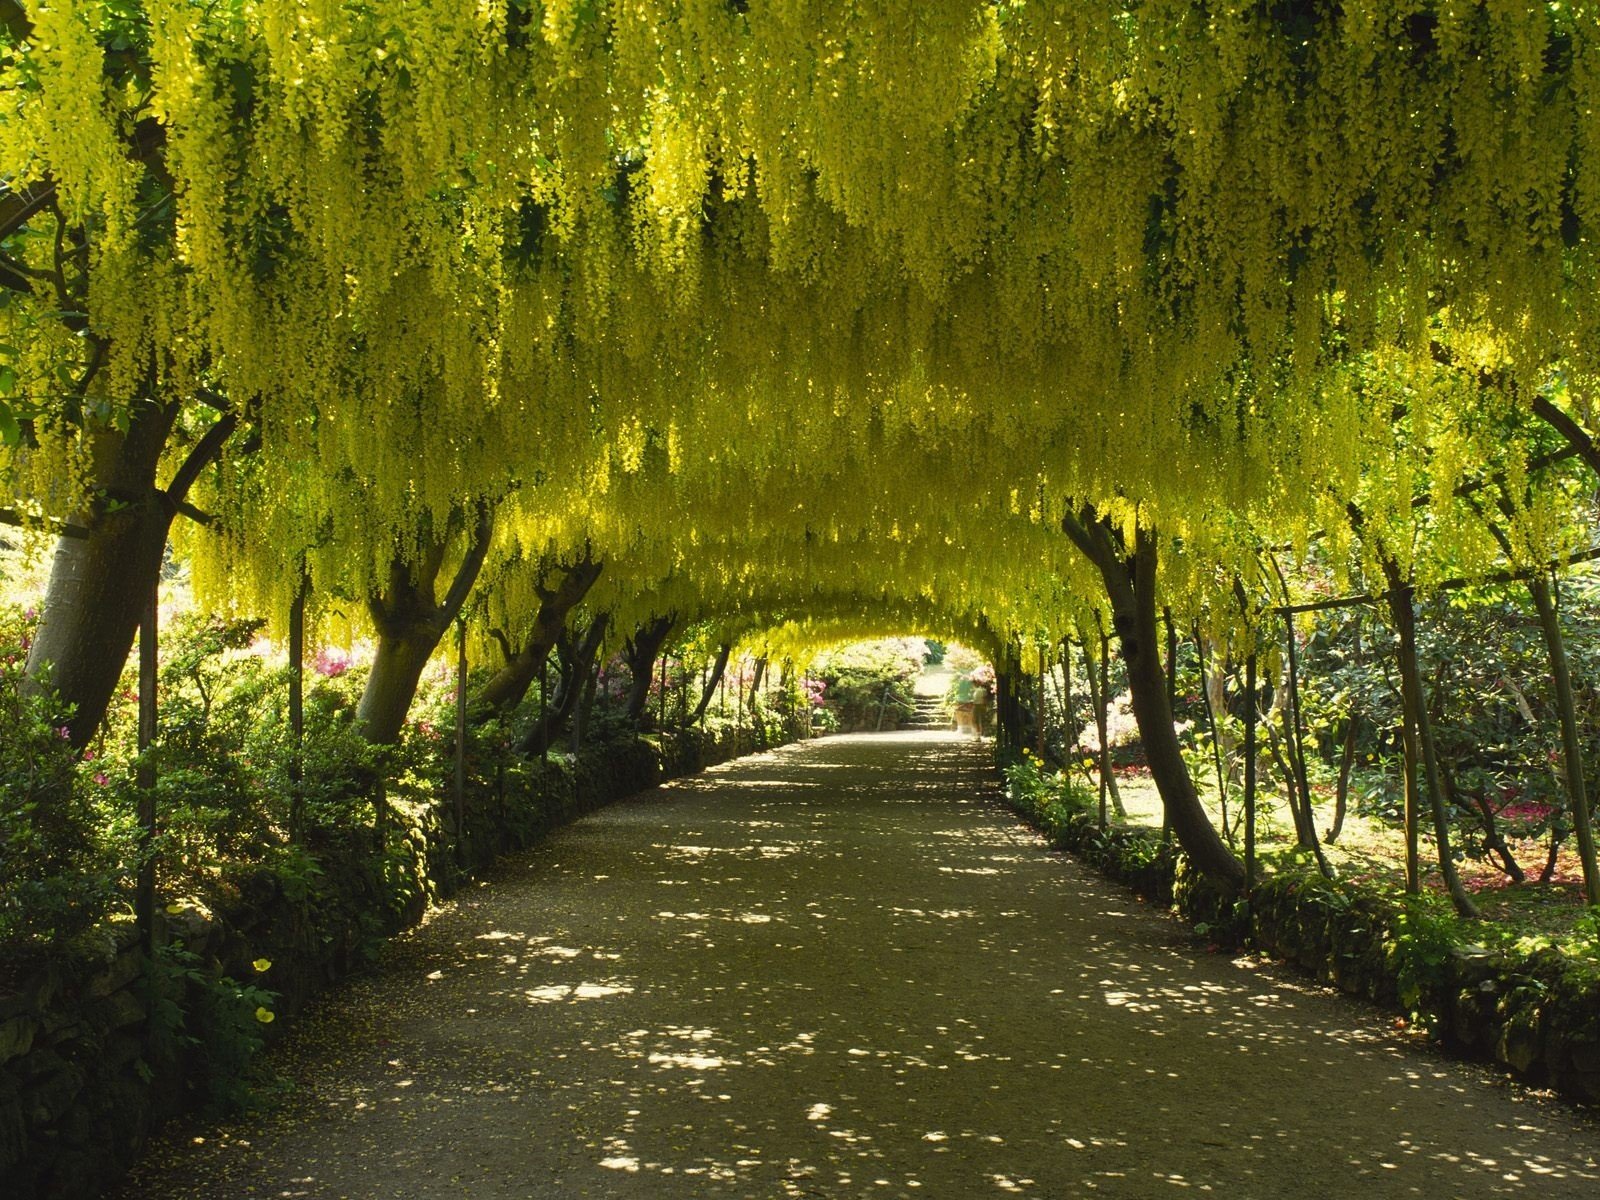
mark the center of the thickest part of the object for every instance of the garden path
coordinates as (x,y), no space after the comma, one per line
(842,969)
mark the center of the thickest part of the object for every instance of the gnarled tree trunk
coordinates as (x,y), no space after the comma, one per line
(710,689)
(1130,579)
(106,563)
(640,651)
(576,656)
(1414,704)
(410,622)
(510,684)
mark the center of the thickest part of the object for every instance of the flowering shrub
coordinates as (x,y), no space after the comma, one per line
(869,679)
(1047,798)
(60,855)
(331,663)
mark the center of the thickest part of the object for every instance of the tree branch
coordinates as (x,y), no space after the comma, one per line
(204,453)
(1449,585)
(68,529)
(501,640)
(15,20)
(467,573)
(1577,437)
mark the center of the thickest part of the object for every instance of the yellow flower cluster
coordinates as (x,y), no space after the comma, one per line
(831,309)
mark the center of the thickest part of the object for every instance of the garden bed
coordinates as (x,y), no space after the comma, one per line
(1523,1003)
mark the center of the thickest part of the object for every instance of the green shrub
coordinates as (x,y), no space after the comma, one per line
(866,681)
(61,852)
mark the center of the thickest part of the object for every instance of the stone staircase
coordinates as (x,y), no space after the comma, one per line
(930,715)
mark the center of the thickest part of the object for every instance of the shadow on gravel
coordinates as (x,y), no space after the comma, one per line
(843,970)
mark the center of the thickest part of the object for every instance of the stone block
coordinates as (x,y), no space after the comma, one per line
(16,1037)
(120,1010)
(1586,1086)
(121,1050)
(49,1098)
(1585,1056)
(124,969)
(1518,1044)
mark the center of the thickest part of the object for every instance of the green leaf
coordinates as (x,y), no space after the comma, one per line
(10,430)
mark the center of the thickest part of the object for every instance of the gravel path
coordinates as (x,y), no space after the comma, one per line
(842,969)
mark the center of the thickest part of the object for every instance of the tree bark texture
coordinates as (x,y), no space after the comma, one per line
(576,656)
(507,687)
(710,688)
(105,567)
(1571,740)
(1403,608)
(410,622)
(1130,580)
(640,651)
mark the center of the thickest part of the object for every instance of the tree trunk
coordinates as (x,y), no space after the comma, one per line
(640,651)
(1341,794)
(1294,747)
(710,688)
(1571,743)
(1410,812)
(1493,839)
(1206,681)
(1252,715)
(755,683)
(106,564)
(510,684)
(410,623)
(1172,706)
(1402,606)
(1130,580)
(577,657)
(397,666)
(1099,675)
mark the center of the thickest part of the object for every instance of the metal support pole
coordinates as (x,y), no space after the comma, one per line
(1250,717)
(297,709)
(460,790)
(544,710)
(145,776)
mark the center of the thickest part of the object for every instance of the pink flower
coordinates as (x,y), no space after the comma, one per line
(102,778)
(330,664)
(63,732)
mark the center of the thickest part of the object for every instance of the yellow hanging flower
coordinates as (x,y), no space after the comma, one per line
(265,1015)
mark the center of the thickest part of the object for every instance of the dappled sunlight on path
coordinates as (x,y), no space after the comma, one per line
(842,970)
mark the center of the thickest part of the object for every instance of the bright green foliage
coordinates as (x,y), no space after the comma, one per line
(869,684)
(63,848)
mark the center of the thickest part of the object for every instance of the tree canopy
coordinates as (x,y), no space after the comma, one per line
(868,293)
